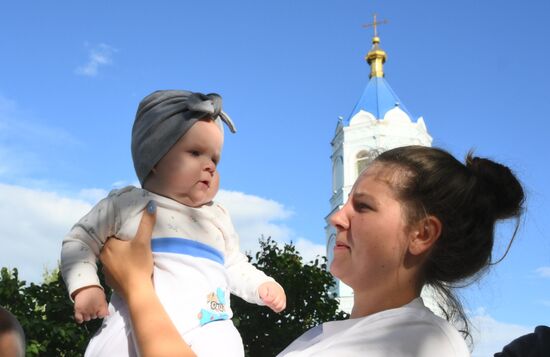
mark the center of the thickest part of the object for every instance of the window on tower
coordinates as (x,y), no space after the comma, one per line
(364,158)
(337,174)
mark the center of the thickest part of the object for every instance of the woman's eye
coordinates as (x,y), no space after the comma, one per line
(361,207)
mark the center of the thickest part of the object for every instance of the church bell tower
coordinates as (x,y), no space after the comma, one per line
(378,122)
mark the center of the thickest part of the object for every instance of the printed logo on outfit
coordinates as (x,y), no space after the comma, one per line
(215,302)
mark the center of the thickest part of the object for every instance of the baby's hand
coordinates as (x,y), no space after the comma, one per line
(273,296)
(89,304)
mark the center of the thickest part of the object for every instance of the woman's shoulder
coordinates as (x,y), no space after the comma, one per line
(414,327)
(411,330)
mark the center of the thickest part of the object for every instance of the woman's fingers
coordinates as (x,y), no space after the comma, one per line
(145,230)
(126,263)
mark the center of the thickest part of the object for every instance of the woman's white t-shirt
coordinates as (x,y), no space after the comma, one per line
(409,331)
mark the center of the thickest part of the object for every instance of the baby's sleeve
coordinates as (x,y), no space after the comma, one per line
(81,246)
(244,278)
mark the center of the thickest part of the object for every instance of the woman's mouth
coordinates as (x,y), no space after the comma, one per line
(341,246)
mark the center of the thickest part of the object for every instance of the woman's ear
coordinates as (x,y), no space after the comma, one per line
(424,234)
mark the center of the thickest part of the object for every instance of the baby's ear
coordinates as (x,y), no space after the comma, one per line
(424,234)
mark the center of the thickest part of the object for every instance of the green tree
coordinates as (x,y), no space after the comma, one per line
(46,315)
(309,300)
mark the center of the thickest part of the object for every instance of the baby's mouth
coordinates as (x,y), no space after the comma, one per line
(206,183)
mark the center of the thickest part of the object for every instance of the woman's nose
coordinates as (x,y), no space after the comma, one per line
(339,219)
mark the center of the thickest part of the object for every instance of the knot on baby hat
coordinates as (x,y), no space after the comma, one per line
(165,116)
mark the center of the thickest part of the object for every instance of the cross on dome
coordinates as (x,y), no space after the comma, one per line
(374,23)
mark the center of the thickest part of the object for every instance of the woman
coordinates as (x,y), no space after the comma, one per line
(416,216)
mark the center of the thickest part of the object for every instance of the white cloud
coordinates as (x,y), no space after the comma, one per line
(543,272)
(92,195)
(124,183)
(33,223)
(254,216)
(309,250)
(32,226)
(490,335)
(98,56)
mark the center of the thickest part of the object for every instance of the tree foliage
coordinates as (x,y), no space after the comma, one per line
(309,300)
(46,313)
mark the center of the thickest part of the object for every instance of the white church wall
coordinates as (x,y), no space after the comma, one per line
(365,135)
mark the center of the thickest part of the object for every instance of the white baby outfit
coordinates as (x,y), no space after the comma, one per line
(197,265)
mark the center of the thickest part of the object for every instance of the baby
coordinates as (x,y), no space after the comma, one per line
(177,141)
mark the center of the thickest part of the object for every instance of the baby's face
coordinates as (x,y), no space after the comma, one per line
(187,173)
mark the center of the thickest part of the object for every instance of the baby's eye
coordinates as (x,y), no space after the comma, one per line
(195,153)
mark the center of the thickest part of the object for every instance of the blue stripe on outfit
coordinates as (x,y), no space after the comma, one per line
(187,247)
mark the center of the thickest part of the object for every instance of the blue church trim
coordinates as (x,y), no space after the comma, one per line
(378,98)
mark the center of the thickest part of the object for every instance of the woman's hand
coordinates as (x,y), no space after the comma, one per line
(128,267)
(129,264)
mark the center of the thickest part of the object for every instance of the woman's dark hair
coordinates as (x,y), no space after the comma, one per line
(468,199)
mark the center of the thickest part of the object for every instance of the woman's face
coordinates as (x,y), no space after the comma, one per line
(371,240)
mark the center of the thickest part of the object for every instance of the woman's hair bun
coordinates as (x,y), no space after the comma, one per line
(500,183)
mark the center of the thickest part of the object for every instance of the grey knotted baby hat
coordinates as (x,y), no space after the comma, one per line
(165,116)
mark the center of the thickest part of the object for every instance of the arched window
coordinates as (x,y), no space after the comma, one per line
(337,173)
(364,158)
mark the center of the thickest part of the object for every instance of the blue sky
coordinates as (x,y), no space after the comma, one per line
(72,74)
